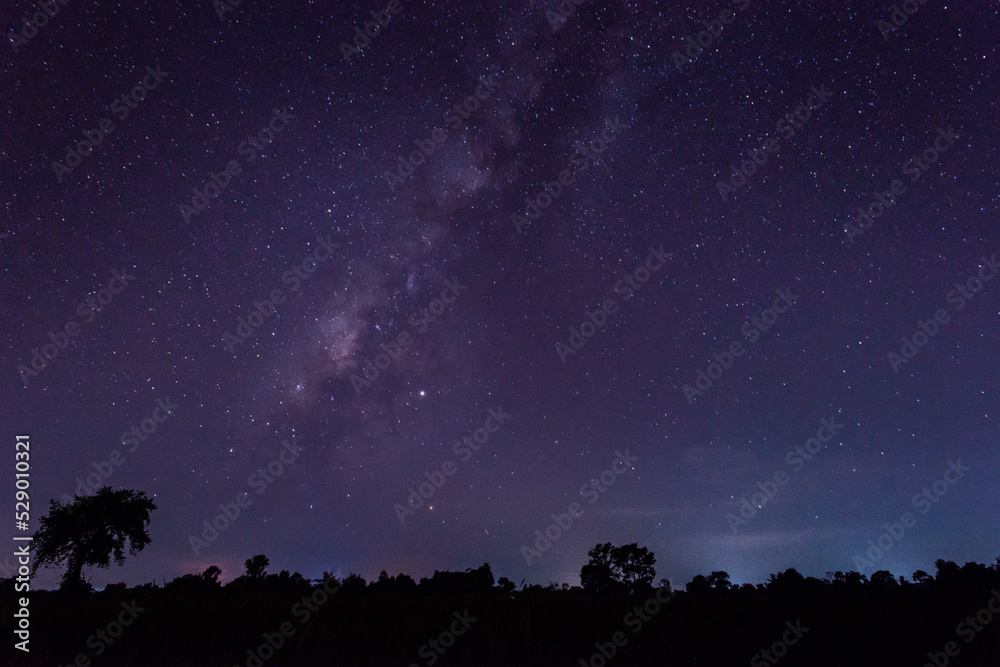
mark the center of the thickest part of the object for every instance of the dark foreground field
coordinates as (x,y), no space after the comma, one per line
(463,619)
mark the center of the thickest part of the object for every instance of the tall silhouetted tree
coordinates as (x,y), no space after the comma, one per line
(90,530)
(636,566)
(598,574)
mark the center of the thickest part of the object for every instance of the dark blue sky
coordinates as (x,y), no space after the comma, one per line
(569,246)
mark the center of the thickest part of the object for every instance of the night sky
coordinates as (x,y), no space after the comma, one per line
(574,283)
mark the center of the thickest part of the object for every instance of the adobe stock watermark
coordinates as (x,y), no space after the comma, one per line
(626,288)
(89,309)
(381,19)
(635,620)
(455,116)
(740,176)
(779,649)
(592,491)
(121,107)
(421,321)
(103,638)
(463,449)
(580,161)
(713,30)
(432,650)
(302,611)
(223,7)
(796,459)
(752,330)
(47,9)
(923,501)
(967,629)
(914,168)
(231,512)
(565,9)
(927,329)
(138,434)
(7,569)
(901,13)
(293,277)
(254,144)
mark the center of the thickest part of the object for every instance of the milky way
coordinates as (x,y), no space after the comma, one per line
(368,253)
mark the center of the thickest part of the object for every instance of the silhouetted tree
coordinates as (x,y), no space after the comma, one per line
(472,580)
(379,625)
(789,582)
(598,574)
(597,577)
(884,580)
(855,580)
(211,574)
(90,530)
(481,577)
(194,584)
(117,589)
(636,566)
(353,583)
(399,584)
(846,581)
(698,585)
(328,576)
(505,585)
(628,566)
(287,580)
(946,569)
(719,580)
(256,567)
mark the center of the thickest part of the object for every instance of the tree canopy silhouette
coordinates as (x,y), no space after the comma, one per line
(90,530)
(628,567)
(256,567)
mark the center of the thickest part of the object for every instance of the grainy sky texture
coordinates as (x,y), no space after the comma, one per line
(606,228)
